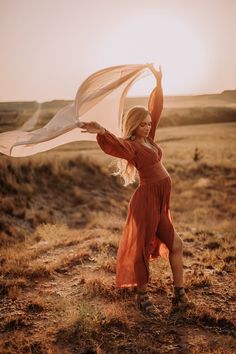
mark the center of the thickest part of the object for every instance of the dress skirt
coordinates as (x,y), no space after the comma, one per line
(148,232)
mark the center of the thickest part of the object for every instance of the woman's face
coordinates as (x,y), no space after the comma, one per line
(144,127)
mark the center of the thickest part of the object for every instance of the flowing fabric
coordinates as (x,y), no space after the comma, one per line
(99,98)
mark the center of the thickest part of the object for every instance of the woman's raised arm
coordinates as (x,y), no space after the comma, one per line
(155,107)
(155,103)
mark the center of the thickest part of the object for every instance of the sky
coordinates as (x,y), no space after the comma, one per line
(49,47)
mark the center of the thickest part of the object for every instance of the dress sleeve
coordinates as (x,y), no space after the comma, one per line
(114,146)
(155,106)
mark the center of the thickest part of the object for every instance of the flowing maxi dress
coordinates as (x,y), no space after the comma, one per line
(149,231)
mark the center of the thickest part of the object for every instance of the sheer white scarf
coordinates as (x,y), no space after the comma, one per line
(100,98)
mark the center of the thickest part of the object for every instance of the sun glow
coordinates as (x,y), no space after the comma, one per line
(166,40)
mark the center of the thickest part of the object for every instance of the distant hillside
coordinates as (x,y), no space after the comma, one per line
(223,99)
(15,114)
(229,94)
(178,110)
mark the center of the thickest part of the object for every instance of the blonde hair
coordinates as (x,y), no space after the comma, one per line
(131,121)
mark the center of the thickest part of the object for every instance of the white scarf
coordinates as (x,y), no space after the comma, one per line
(100,98)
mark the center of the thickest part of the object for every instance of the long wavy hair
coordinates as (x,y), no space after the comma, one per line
(131,120)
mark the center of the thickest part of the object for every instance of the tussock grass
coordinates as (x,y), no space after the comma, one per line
(115,313)
(199,281)
(108,265)
(28,188)
(21,343)
(101,287)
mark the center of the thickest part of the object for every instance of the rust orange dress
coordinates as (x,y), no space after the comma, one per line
(148,232)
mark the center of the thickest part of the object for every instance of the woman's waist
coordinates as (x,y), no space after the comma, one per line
(152,173)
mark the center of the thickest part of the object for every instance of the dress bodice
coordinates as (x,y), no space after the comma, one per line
(146,156)
(148,163)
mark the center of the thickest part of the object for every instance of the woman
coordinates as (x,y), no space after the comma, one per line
(148,231)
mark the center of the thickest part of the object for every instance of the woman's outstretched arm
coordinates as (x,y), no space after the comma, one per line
(155,102)
(110,143)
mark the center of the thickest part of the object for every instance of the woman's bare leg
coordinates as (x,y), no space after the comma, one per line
(180,299)
(176,261)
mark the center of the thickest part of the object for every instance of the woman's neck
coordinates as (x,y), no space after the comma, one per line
(142,140)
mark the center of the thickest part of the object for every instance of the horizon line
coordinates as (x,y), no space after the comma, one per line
(133,96)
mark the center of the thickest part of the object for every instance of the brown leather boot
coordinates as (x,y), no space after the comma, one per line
(180,300)
(146,305)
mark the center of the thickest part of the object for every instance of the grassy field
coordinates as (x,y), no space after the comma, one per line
(61,218)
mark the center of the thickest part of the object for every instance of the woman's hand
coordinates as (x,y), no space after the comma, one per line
(91,127)
(157,74)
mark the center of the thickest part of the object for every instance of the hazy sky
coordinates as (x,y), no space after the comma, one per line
(48,47)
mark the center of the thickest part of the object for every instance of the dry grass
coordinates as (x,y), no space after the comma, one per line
(61,220)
